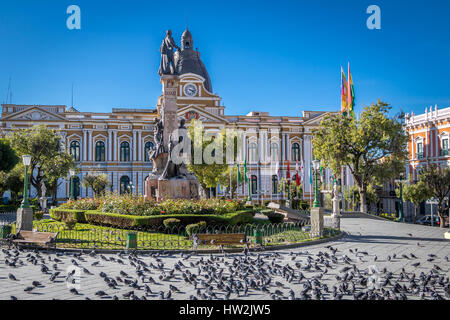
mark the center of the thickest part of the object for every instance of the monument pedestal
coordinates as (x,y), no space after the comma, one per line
(317,222)
(24,219)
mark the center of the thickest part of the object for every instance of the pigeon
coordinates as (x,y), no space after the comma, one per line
(12,277)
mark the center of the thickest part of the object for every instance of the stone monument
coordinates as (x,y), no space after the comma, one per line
(43,199)
(336,215)
(169,178)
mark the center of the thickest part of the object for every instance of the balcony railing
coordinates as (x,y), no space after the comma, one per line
(444,152)
(419,155)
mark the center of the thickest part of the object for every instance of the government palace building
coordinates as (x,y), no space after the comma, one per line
(117,143)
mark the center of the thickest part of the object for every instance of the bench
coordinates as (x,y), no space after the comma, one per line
(34,237)
(221,239)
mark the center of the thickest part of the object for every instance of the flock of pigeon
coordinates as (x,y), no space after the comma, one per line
(328,274)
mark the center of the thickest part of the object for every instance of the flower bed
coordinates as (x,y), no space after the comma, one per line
(137,206)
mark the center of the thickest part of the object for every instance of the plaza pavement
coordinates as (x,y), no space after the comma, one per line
(378,238)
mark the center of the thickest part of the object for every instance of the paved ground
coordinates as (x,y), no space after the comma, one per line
(364,251)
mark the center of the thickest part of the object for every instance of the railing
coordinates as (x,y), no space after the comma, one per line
(419,155)
(444,152)
(162,238)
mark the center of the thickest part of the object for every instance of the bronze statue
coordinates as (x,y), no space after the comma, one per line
(167,58)
(159,140)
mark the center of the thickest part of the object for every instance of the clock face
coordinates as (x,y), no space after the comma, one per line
(190,90)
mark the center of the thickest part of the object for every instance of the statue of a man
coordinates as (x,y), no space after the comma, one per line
(159,139)
(43,189)
(167,61)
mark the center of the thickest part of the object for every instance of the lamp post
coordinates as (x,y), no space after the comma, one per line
(400,199)
(25,213)
(72,184)
(26,161)
(316,166)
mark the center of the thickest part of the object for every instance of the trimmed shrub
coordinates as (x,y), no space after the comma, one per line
(171,223)
(274,217)
(70,224)
(38,215)
(192,229)
(68,215)
(115,220)
(8,207)
(130,221)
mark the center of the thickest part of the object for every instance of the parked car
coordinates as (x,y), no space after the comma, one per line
(426,220)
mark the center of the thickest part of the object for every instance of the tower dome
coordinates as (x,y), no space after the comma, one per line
(188,60)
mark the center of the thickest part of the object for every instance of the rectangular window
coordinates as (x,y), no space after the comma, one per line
(445,144)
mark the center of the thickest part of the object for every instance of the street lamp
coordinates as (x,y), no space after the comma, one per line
(72,184)
(316,166)
(26,161)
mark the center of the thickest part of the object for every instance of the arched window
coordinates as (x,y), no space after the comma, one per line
(274,152)
(148,146)
(253,152)
(274,184)
(100,151)
(75,150)
(124,151)
(295,152)
(254,184)
(124,184)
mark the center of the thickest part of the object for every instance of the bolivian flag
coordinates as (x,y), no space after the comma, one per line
(350,93)
(344,86)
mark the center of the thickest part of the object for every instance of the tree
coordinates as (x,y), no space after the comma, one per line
(224,179)
(209,173)
(8,158)
(416,194)
(97,183)
(373,146)
(48,162)
(438,182)
(12,180)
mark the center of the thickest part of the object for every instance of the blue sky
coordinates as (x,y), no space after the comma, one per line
(277,56)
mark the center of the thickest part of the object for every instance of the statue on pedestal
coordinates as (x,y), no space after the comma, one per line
(335,216)
(167,57)
(43,198)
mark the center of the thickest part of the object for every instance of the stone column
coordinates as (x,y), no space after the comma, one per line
(90,145)
(134,146)
(109,145)
(84,146)
(139,146)
(115,145)
(169,105)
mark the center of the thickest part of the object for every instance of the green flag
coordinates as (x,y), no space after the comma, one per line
(245,169)
(239,174)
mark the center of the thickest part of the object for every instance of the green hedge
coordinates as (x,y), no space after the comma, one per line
(128,221)
(8,207)
(65,215)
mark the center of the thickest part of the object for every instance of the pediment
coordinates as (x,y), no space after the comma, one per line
(33,114)
(315,120)
(193,112)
